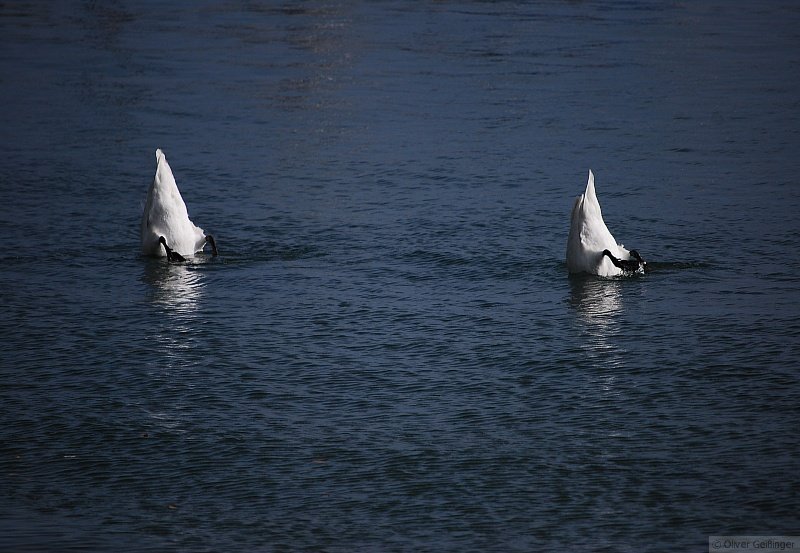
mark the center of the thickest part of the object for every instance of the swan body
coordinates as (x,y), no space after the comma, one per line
(589,236)
(165,215)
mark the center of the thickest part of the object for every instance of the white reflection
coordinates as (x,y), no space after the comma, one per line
(175,292)
(598,304)
(177,288)
(596,300)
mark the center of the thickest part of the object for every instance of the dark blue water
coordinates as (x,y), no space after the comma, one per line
(389,355)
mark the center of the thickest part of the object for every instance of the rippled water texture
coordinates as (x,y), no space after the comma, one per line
(389,354)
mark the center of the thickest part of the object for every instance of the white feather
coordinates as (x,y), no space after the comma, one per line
(589,236)
(165,215)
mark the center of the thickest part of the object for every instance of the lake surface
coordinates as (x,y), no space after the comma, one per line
(389,354)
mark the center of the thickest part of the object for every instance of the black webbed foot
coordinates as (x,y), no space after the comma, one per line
(627,265)
(172,256)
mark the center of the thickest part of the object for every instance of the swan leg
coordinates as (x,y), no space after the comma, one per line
(172,256)
(210,240)
(613,259)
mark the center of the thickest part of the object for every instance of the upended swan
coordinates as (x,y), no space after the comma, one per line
(165,221)
(590,247)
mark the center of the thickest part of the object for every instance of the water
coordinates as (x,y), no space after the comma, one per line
(389,354)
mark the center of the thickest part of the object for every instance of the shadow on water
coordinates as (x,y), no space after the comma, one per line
(246,252)
(665,266)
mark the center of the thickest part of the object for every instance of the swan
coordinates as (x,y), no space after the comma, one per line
(591,248)
(165,221)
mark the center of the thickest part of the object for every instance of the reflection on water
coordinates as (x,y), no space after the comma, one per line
(597,300)
(598,304)
(175,290)
(175,287)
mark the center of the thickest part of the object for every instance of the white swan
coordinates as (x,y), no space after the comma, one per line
(165,216)
(589,236)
